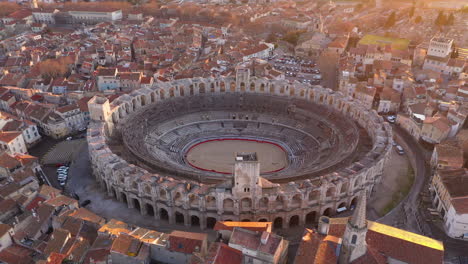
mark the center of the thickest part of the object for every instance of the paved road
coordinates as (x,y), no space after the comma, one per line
(409,214)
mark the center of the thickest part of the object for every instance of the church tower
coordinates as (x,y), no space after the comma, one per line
(353,244)
(246,176)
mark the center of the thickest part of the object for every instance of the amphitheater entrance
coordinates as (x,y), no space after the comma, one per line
(216,155)
(163,215)
(210,222)
(149,209)
(354,202)
(327,212)
(294,221)
(278,223)
(136,204)
(194,220)
(245,220)
(310,218)
(263,220)
(179,218)
(123,196)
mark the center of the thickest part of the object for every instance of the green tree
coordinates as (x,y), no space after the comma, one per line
(271,38)
(391,20)
(411,12)
(418,20)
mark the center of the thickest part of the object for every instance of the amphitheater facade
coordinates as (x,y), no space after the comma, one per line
(138,146)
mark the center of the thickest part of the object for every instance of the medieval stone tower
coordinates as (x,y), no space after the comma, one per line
(99,110)
(246,176)
(354,239)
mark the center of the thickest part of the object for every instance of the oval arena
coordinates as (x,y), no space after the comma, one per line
(195,151)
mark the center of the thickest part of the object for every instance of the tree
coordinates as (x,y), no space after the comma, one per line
(441,19)
(391,20)
(411,12)
(418,20)
(293,36)
(271,38)
(451,20)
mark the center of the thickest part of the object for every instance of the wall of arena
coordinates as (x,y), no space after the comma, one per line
(194,204)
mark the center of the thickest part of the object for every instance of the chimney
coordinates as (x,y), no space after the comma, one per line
(264,238)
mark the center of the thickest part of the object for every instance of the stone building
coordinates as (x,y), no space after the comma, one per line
(194,202)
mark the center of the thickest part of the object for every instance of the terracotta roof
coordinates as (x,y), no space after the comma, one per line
(252,240)
(8,161)
(439,122)
(9,136)
(126,245)
(4,228)
(85,214)
(16,254)
(186,242)
(221,253)
(62,200)
(115,227)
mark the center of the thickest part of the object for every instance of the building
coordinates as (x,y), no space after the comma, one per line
(450,199)
(13,142)
(259,247)
(438,55)
(95,16)
(107,79)
(262,51)
(358,240)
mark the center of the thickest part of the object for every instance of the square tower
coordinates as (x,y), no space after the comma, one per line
(246,175)
(440,47)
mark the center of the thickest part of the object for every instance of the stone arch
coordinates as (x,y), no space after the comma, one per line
(278,223)
(123,197)
(246,204)
(201,88)
(344,187)
(232,87)
(327,212)
(357,183)
(210,222)
(331,191)
(292,91)
(135,185)
(302,93)
(282,90)
(272,89)
(310,217)
(171,92)
(147,189)
(262,220)
(194,201)
(252,87)
(245,220)
(127,108)
(163,195)
(242,87)
(212,87)
(294,221)
(314,195)
(113,192)
(182,91)
(263,203)
(279,202)
(179,217)
(136,204)
(143,100)
(228,205)
(222,87)
(153,97)
(296,201)
(262,87)
(194,220)
(353,202)
(149,209)
(163,214)
(162,94)
(134,104)
(192,92)
(341,205)
(210,201)
(178,199)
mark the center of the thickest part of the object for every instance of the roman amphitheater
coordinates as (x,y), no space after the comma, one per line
(194,151)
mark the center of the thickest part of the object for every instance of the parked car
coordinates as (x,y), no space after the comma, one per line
(68,138)
(399,150)
(391,119)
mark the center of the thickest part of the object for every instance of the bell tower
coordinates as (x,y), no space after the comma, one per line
(354,238)
(246,175)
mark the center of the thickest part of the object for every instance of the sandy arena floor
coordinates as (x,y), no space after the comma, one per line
(218,155)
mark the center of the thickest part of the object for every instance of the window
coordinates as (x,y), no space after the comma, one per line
(353,239)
